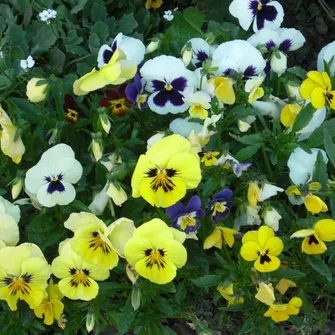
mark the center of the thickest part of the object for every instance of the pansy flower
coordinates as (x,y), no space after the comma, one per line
(220,205)
(239,56)
(209,157)
(228,293)
(282,312)
(227,161)
(219,237)
(185,217)
(133,49)
(260,13)
(72,111)
(201,51)
(153,4)
(134,93)
(50,180)
(166,79)
(326,54)
(116,100)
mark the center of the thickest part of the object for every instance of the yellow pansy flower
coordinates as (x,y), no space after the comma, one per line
(253,193)
(282,312)
(284,284)
(153,4)
(155,252)
(314,204)
(252,86)
(223,89)
(314,239)
(9,146)
(77,277)
(115,72)
(23,275)
(166,171)
(209,157)
(265,293)
(228,293)
(288,114)
(318,88)
(262,247)
(219,236)
(51,307)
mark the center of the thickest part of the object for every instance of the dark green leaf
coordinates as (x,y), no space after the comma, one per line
(101,29)
(247,152)
(317,137)
(287,273)
(164,306)
(329,146)
(318,264)
(320,171)
(127,24)
(81,4)
(303,118)
(56,59)
(298,71)
(194,18)
(207,281)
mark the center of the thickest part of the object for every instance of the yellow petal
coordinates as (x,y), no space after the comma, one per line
(213,239)
(265,233)
(253,193)
(265,293)
(303,233)
(318,98)
(313,245)
(326,230)
(326,81)
(225,91)
(284,284)
(250,236)
(228,235)
(317,77)
(250,250)
(289,114)
(267,266)
(92,81)
(314,204)
(307,88)
(79,292)
(274,246)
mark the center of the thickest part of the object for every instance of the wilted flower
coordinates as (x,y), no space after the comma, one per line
(284,284)
(35,91)
(220,205)
(166,171)
(252,86)
(155,253)
(282,312)
(185,217)
(260,13)
(228,293)
(265,293)
(47,14)
(97,146)
(116,100)
(154,138)
(271,218)
(117,193)
(262,247)
(227,161)
(51,179)
(314,239)
(27,63)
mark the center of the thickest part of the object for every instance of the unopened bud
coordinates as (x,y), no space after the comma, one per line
(53,137)
(96,146)
(187,56)
(136,297)
(62,321)
(131,273)
(90,321)
(117,193)
(243,126)
(17,187)
(104,121)
(153,45)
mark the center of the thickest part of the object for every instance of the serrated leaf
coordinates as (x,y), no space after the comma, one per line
(249,139)
(127,24)
(329,146)
(98,12)
(194,18)
(44,38)
(57,59)
(287,273)
(247,152)
(318,264)
(101,29)
(81,4)
(303,118)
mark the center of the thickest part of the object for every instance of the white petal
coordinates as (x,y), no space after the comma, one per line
(240,9)
(30,62)
(327,53)
(133,48)
(10,209)
(295,36)
(183,127)
(56,198)
(9,230)
(70,168)
(99,202)
(279,65)
(301,164)
(267,108)
(264,36)
(23,64)
(268,191)
(35,178)
(316,121)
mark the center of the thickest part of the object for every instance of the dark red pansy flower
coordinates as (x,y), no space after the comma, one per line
(72,111)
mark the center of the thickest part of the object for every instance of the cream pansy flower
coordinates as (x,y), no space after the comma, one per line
(51,179)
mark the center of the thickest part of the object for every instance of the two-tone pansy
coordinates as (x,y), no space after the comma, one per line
(71,109)
(134,93)
(220,206)
(201,51)
(258,13)
(166,79)
(50,180)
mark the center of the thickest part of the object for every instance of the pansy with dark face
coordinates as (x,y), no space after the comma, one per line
(185,217)
(134,93)
(201,51)
(116,101)
(72,111)
(260,13)
(220,205)
(167,78)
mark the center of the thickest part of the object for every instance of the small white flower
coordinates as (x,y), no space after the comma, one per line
(27,63)
(271,218)
(51,179)
(268,191)
(47,14)
(168,15)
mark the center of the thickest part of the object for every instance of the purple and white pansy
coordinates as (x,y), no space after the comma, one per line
(166,79)
(134,93)
(278,42)
(133,48)
(185,217)
(238,56)
(201,51)
(258,13)
(50,180)
(220,205)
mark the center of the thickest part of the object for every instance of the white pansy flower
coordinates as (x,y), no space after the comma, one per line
(327,54)
(267,191)
(27,63)
(9,231)
(47,14)
(268,108)
(200,50)
(133,48)
(271,218)
(6,207)
(168,15)
(302,164)
(183,127)
(51,179)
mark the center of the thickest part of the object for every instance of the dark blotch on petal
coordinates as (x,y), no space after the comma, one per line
(158,85)
(285,45)
(267,13)
(253,5)
(269,44)
(164,96)
(107,55)
(249,71)
(55,186)
(179,83)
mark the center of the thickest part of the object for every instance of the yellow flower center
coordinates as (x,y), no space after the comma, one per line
(119,107)
(97,242)
(71,116)
(161,179)
(155,257)
(80,277)
(168,87)
(187,221)
(18,284)
(141,99)
(219,207)
(259,7)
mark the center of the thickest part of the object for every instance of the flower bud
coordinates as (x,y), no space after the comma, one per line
(104,121)
(278,62)
(17,187)
(243,126)
(187,56)
(36,90)
(153,45)
(271,218)
(90,321)
(293,91)
(131,273)
(117,193)
(96,146)
(136,297)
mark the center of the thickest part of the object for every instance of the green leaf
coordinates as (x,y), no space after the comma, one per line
(287,273)
(101,29)
(77,204)
(126,318)
(44,38)
(329,146)
(56,59)
(320,171)
(298,71)
(164,306)
(318,264)
(303,118)
(317,137)
(15,35)
(80,6)
(207,281)
(194,18)
(98,12)
(247,152)
(249,139)
(127,24)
